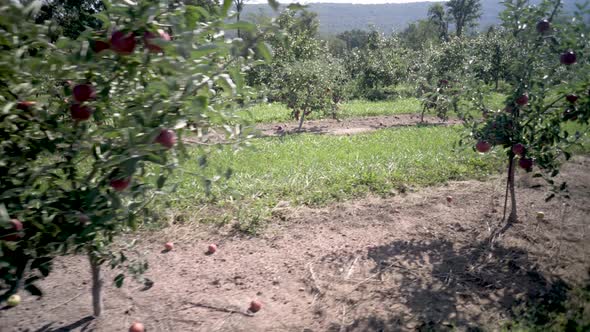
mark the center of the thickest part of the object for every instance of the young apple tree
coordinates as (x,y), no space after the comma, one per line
(92,128)
(549,108)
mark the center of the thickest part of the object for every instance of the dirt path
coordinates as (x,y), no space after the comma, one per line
(346,126)
(405,263)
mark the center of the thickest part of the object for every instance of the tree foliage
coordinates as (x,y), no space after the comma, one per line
(464,14)
(92,128)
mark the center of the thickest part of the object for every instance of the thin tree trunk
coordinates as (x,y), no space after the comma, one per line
(513,217)
(238,20)
(96,286)
(301,120)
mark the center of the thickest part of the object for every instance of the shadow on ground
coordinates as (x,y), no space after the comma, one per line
(83,324)
(444,287)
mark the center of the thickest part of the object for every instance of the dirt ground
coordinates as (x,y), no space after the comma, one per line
(350,126)
(346,126)
(411,262)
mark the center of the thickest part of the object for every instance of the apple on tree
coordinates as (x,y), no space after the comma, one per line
(526,163)
(120,184)
(149,37)
(572,98)
(483,146)
(568,58)
(99,46)
(518,149)
(25,105)
(123,43)
(83,92)
(543,26)
(15,232)
(167,138)
(522,100)
(80,112)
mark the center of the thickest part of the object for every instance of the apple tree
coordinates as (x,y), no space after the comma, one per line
(549,108)
(92,128)
(311,85)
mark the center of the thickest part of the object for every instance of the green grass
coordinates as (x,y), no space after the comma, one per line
(315,170)
(276,112)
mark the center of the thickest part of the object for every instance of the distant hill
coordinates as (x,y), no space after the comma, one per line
(336,18)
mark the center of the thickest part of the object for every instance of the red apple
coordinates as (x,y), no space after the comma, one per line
(449,199)
(99,46)
(80,112)
(525,163)
(123,43)
(83,92)
(169,246)
(25,105)
(568,58)
(518,149)
(120,184)
(149,36)
(137,327)
(571,98)
(255,306)
(522,100)
(15,231)
(543,26)
(167,138)
(483,146)
(212,249)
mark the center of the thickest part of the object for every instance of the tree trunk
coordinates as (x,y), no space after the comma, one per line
(96,286)
(513,217)
(301,120)
(422,114)
(238,20)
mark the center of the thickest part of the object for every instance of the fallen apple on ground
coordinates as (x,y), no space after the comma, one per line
(13,300)
(255,306)
(137,327)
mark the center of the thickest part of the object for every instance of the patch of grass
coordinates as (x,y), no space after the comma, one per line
(315,170)
(276,112)
(358,108)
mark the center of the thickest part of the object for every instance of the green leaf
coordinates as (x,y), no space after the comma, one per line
(4,216)
(264,51)
(119,280)
(226,6)
(161,181)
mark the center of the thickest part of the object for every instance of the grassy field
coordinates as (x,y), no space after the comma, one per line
(276,112)
(315,170)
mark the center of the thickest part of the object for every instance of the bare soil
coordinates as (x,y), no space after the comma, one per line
(411,262)
(351,126)
(346,126)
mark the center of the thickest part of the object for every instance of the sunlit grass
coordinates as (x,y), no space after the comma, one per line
(315,170)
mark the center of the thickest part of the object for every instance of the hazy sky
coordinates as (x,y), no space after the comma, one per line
(343,1)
